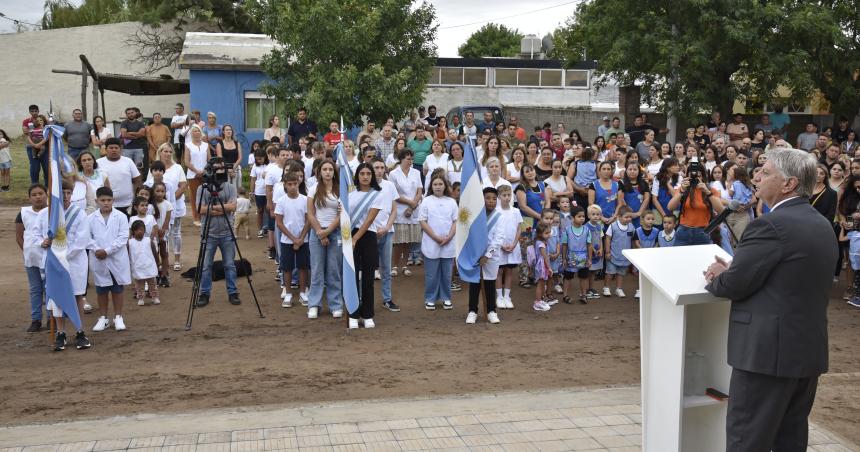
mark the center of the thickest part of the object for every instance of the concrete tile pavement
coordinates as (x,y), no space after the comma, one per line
(572,419)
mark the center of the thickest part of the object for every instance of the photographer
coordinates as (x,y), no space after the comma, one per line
(220,221)
(697,202)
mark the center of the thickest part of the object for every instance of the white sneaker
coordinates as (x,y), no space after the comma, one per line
(471,318)
(636,295)
(551,302)
(492,317)
(284,293)
(337,314)
(303,297)
(288,301)
(429,305)
(606,292)
(118,323)
(156,301)
(368,323)
(407,272)
(447,304)
(140,302)
(394,272)
(508,303)
(558,288)
(376,275)
(619,293)
(313,313)
(88,308)
(353,323)
(540,306)
(102,324)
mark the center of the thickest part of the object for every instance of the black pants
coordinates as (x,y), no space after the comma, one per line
(179,149)
(489,295)
(366,257)
(768,413)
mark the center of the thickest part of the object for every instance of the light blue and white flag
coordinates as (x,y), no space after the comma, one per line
(58,278)
(471,237)
(348,283)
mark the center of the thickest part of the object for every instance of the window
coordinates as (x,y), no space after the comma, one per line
(578,79)
(458,76)
(546,78)
(259,109)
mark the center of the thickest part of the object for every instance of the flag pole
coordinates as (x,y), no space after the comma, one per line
(342,270)
(51,323)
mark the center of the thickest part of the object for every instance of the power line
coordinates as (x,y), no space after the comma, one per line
(508,17)
(16,21)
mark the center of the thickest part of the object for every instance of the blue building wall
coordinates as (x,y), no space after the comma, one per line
(223,92)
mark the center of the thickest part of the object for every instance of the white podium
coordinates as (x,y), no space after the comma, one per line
(678,316)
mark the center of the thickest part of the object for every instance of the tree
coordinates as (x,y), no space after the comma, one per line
(156,46)
(348,57)
(492,40)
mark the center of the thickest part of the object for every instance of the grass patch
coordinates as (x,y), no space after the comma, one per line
(20,174)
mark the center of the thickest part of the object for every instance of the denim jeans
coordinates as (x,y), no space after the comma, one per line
(134,154)
(326,264)
(36,163)
(36,280)
(437,279)
(383,246)
(228,253)
(691,236)
(75,152)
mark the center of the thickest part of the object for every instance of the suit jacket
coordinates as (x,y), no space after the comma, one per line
(779,283)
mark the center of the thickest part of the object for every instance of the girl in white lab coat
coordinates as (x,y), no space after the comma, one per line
(109,261)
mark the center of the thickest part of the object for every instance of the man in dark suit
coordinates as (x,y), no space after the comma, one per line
(778,282)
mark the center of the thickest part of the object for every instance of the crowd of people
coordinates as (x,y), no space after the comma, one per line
(559,208)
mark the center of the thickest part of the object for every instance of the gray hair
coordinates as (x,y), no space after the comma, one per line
(798,164)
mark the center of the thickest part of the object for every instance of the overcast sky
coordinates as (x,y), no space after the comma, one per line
(457,18)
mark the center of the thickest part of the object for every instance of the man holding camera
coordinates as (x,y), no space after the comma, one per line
(219,217)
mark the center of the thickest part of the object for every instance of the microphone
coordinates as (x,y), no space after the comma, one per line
(733,206)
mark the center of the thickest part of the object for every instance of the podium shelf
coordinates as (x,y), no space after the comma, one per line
(699,401)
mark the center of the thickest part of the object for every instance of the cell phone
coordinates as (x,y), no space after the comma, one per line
(716,395)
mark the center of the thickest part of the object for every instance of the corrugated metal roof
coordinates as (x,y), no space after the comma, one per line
(224,51)
(244,52)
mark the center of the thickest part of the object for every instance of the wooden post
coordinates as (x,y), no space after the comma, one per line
(84,89)
(95,97)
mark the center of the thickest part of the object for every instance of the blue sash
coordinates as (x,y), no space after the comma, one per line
(71,216)
(361,209)
(494,217)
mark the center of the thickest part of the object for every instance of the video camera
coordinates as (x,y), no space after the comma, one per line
(215,172)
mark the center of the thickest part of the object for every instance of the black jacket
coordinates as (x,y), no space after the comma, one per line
(779,283)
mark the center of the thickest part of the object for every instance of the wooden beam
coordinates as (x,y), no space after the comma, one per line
(89,67)
(66,71)
(95,98)
(84,91)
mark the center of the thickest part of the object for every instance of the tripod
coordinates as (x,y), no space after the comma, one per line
(204,240)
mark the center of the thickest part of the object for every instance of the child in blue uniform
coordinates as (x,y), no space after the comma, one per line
(646,236)
(577,251)
(619,237)
(595,229)
(666,237)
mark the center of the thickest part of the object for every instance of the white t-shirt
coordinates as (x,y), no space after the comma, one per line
(258,172)
(198,155)
(274,173)
(513,172)
(103,134)
(327,213)
(407,185)
(172,178)
(294,212)
(439,213)
(177,133)
(389,194)
(432,162)
(356,198)
(654,168)
(243,205)
(557,185)
(164,207)
(724,191)
(120,173)
(277,192)
(309,166)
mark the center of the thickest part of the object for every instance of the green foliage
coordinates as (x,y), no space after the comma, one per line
(492,40)
(348,57)
(697,55)
(62,14)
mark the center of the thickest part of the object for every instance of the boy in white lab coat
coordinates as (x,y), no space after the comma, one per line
(109,257)
(77,239)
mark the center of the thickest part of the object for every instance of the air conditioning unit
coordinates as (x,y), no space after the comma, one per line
(530,45)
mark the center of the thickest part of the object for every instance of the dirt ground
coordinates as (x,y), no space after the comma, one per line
(233,358)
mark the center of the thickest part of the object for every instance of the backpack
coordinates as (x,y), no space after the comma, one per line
(531,256)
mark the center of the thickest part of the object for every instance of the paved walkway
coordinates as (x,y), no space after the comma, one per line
(598,420)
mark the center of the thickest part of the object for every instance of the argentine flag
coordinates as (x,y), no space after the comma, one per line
(471,237)
(348,284)
(58,279)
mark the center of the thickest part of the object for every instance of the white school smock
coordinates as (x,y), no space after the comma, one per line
(455,171)
(142,260)
(111,235)
(495,238)
(439,213)
(499,183)
(432,162)
(389,194)
(294,211)
(356,198)
(34,254)
(198,154)
(77,239)
(81,196)
(407,185)
(509,223)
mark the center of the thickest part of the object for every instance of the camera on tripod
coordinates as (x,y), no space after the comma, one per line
(215,172)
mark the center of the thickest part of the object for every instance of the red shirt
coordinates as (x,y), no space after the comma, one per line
(332,138)
(27,121)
